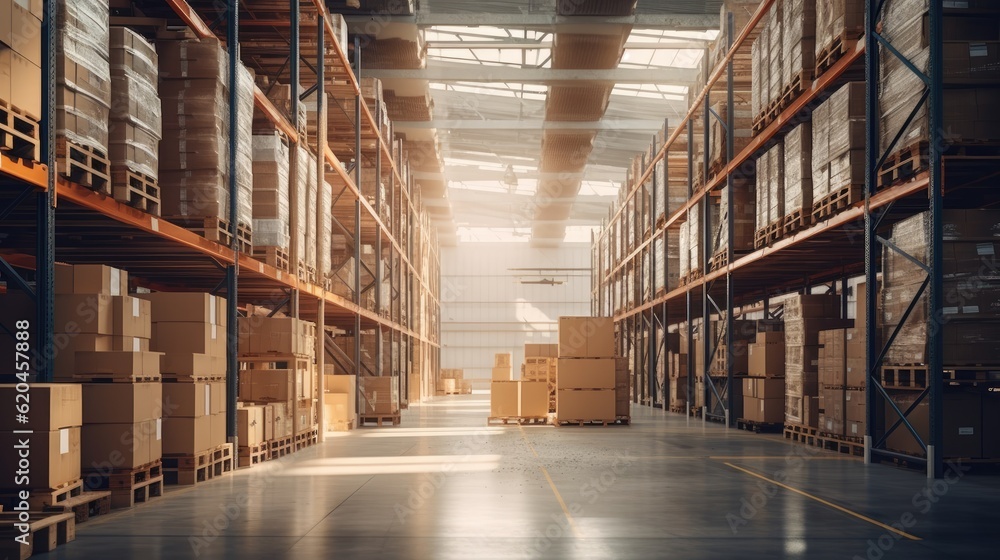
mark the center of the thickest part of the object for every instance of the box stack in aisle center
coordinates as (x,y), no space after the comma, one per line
(585,388)
(504,395)
(340,401)
(189,329)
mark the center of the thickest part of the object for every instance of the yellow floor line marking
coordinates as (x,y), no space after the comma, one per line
(832,505)
(738,457)
(552,485)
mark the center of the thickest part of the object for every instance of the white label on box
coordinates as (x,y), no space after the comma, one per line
(159,428)
(116,282)
(208,399)
(213,332)
(135,344)
(970,309)
(966,431)
(135,307)
(978,49)
(848,396)
(949,310)
(984,249)
(854,429)
(211,310)
(64,441)
(154,224)
(960,4)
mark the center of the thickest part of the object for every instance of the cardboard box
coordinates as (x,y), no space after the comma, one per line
(586,373)
(305,382)
(766,359)
(505,399)
(90,279)
(55,456)
(771,410)
(586,337)
(541,350)
(6,66)
(533,398)
(184,307)
(413,388)
(764,388)
(84,313)
(73,342)
(189,338)
(188,364)
(346,384)
(280,335)
(582,404)
(5,25)
(281,420)
(25,85)
(131,316)
(268,421)
(25,32)
(250,425)
(217,435)
(126,446)
(380,394)
(339,411)
(449,386)
(52,406)
(121,403)
(503,373)
(218,396)
(265,385)
(306,415)
(138,364)
(187,400)
(185,436)
(502,359)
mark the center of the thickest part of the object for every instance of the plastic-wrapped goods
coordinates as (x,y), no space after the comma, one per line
(775,51)
(644,281)
(742,123)
(695,237)
(83,74)
(798,41)
(757,69)
(798,194)
(776,182)
(761,192)
(270,178)
(684,258)
(244,146)
(326,207)
(302,203)
(658,257)
(312,195)
(135,125)
(836,19)
(744,216)
(674,254)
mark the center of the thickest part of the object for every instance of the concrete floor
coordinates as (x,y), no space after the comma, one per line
(443,485)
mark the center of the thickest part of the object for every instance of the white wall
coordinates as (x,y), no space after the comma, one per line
(486,309)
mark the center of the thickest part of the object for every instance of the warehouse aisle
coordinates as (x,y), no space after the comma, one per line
(446,486)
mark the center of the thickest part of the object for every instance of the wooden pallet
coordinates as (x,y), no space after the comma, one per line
(19,136)
(279,447)
(196,378)
(841,444)
(623,420)
(759,427)
(129,486)
(46,531)
(379,418)
(904,164)
(836,201)
(306,273)
(904,376)
(200,467)
(216,229)
(116,378)
(678,409)
(719,260)
(691,276)
(800,434)
(85,165)
(253,454)
(593,422)
(273,256)
(40,499)
(84,506)
(307,438)
(517,420)
(845,42)
(760,238)
(794,222)
(136,190)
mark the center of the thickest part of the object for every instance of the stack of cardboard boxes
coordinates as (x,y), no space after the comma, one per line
(379,397)
(541,363)
(585,389)
(270,199)
(279,372)
(189,329)
(764,388)
(340,410)
(842,387)
(453,382)
(53,442)
(504,392)
(677,369)
(805,316)
(20,64)
(136,126)
(83,76)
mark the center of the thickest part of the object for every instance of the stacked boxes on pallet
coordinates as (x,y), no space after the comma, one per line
(542,364)
(798,185)
(838,150)
(56,414)
(842,382)
(677,366)
(21,57)
(190,331)
(136,127)
(270,200)
(743,217)
(380,397)
(83,91)
(585,388)
(764,388)
(340,402)
(783,57)
(971,35)
(194,152)
(770,194)
(453,382)
(277,356)
(837,23)
(504,395)
(805,316)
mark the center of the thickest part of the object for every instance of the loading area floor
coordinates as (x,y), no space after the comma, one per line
(445,485)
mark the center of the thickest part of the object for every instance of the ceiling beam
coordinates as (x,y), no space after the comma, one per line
(521,44)
(627,125)
(514,74)
(686,22)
